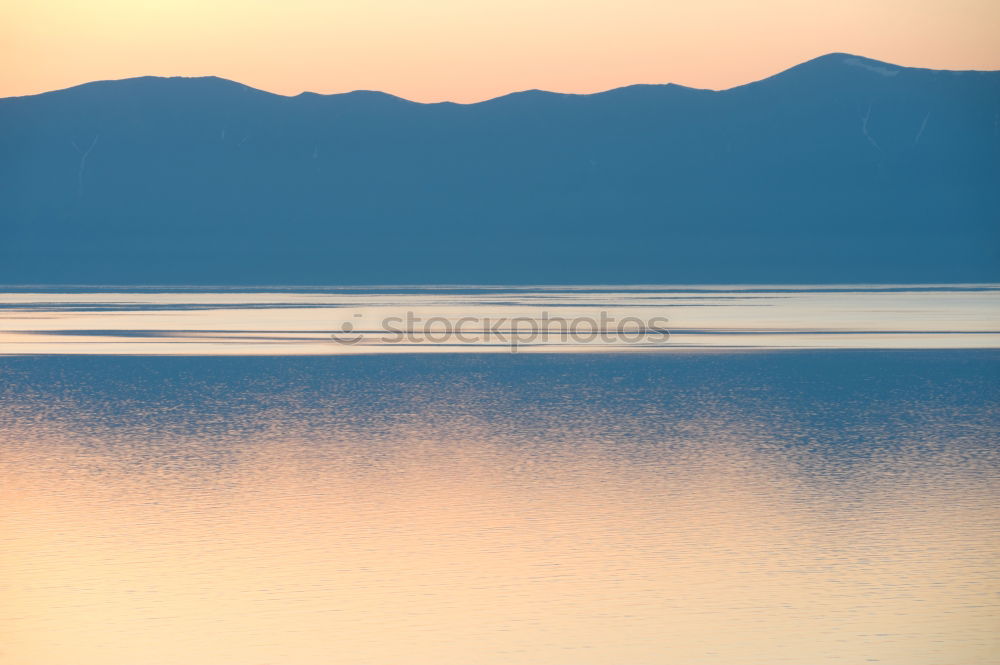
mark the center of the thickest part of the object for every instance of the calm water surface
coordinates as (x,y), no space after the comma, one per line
(774,506)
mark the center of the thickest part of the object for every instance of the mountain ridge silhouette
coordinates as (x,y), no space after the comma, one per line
(839,169)
(822,60)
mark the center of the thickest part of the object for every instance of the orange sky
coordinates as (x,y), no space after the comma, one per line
(468,50)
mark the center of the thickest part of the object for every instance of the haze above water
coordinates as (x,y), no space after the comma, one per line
(290,321)
(814,505)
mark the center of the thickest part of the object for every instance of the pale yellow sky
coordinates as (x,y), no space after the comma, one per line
(468,50)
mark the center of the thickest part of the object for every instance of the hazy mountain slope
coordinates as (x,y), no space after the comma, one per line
(840,169)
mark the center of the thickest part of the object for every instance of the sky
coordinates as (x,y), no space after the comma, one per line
(470,50)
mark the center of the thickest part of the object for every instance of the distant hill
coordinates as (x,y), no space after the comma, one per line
(842,169)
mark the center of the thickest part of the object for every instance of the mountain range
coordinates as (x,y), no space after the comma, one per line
(840,170)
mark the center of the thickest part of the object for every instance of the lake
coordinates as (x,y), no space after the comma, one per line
(237,476)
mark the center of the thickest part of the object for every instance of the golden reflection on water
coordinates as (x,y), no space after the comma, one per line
(438,539)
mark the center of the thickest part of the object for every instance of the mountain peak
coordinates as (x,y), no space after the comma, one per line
(841,60)
(150,84)
(356,94)
(828,70)
(844,63)
(851,64)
